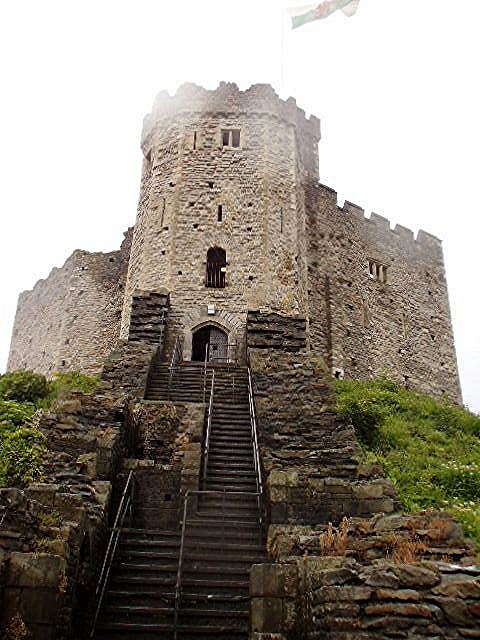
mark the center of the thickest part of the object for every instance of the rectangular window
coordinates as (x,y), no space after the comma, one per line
(377,271)
(220,213)
(231,138)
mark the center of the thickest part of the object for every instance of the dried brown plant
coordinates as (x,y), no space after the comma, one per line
(334,541)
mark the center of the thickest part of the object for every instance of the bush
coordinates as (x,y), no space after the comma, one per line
(21,454)
(72,381)
(14,413)
(23,386)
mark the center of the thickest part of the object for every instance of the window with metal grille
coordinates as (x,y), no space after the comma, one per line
(216,268)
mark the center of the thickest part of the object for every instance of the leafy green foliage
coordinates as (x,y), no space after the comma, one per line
(428,448)
(15,413)
(22,446)
(21,455)
(72,380)
(23,386)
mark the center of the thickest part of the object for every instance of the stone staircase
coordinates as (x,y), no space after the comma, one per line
(222,535)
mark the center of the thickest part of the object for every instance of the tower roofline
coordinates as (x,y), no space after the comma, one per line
(228,99)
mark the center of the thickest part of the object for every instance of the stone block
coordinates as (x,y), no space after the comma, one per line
(35,570)
(42,493)
(274,580)
(272,615)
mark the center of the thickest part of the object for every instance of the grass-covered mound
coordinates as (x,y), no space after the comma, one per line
(430,449)
(22,446)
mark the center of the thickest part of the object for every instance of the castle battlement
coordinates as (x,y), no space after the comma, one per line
(422,239)
(228,99)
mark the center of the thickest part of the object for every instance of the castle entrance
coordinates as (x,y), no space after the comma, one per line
(210,341)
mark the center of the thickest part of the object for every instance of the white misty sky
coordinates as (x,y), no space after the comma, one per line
(396,88)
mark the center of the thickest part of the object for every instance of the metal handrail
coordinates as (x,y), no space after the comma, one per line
(125,505)
(205,372)
(256,450)
(178,585)
(209,428)
(177,356)
(188,495)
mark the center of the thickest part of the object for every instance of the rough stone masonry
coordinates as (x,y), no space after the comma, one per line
(235,174)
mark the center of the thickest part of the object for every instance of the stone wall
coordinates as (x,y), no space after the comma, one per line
(273,331)
(311,458)
(71,320)
(392,577)
(53,534)
(398,324)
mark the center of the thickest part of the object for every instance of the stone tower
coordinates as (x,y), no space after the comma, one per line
(221,191)
(232,219)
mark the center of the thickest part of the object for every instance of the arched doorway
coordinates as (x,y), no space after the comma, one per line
(212,341)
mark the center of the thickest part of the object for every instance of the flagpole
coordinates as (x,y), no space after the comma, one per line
(282,48)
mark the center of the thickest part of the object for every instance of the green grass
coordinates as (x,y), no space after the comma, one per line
(430,449)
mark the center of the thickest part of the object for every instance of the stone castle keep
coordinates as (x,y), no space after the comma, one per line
(208,489)
(231,219)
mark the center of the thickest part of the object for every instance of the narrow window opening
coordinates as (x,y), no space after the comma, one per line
(194,139)
(210,184)
(216,268)
(163,252)
(225,137)
(163,212)
(281,220)
(179,273)
(195,226)
(63,363)
(220,213)
(235,137)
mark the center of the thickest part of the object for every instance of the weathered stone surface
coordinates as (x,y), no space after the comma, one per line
(71,320)
(274,580)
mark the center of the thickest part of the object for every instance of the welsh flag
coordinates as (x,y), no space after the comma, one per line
(303,15)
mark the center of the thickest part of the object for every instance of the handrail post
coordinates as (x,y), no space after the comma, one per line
(176,357)
(256,452)
(178,585)
(205,373)
(123,508)
(209,427)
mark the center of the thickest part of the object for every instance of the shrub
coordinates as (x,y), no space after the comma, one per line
(21,454)
(23,386)
(14,414)
(72,380)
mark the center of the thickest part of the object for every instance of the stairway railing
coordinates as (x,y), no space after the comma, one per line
(209,429)
(256,449)
(125,506)
(177,356)
(189,494)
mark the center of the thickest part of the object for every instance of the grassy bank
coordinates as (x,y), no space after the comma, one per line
(429,449)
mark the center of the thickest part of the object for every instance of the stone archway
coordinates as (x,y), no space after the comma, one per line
(210,341)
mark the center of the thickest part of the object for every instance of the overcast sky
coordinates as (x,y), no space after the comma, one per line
(396,88)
